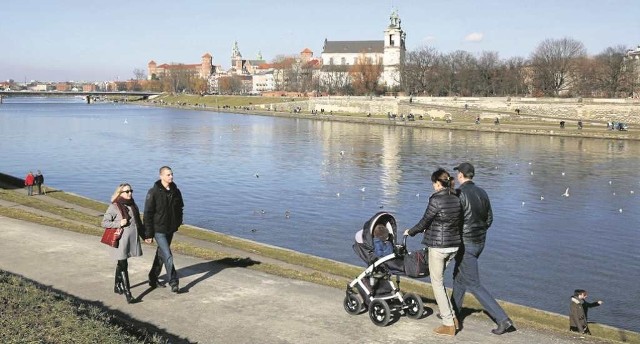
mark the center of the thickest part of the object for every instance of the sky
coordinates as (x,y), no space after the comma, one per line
(67,40)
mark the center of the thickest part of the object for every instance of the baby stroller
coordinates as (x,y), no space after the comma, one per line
(374,289)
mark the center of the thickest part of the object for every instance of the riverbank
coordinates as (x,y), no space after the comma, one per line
(427,114)
(79,214)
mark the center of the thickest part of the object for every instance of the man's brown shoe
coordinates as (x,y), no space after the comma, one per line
(445,330)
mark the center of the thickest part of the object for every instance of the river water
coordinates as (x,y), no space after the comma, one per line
(310,185)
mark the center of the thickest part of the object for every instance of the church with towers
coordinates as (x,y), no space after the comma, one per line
(389,53)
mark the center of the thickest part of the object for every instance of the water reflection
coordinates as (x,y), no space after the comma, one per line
(299,184)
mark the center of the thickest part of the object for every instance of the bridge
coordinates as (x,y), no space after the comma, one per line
(88,95)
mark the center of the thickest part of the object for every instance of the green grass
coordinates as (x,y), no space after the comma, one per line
(31,313)
(36,203)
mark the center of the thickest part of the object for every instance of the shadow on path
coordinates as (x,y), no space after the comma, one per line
(208,269)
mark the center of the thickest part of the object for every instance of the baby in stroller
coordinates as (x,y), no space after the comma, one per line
(374,289)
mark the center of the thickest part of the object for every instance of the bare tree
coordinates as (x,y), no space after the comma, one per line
(459,72)
(365,75)
(139,74)
(336,79)
(610,73)
(513,77)
(554,64)
(488,73)
(230,85)
(421,71)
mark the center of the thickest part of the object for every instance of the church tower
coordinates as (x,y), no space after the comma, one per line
(394,51)
(236,58)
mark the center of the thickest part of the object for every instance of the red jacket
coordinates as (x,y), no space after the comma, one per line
(29,180)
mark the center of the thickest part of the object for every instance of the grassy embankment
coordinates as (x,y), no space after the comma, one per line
(524,123)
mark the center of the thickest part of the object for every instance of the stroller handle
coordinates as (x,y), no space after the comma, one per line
(402,249)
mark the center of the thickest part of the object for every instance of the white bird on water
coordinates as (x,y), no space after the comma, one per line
(363,189)
(566,193)
(542,198)
(125,121)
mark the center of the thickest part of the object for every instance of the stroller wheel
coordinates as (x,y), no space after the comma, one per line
(352,304)
(379,312)
(414,308)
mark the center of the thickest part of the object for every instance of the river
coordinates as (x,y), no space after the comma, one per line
(310,185)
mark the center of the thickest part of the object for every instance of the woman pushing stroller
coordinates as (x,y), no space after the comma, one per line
(441,224)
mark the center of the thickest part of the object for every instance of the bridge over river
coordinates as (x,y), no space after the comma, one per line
(88,95)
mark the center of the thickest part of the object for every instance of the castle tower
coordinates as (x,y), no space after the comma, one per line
(151,70)
(306,55)
(207,66)
(394,51)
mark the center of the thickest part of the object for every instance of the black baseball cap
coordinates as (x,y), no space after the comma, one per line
(466,168)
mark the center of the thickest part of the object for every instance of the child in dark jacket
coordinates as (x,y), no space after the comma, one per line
(578,311)
(382,244)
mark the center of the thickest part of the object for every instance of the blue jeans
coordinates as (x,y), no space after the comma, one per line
(163,256)
(467,278)
(29,190)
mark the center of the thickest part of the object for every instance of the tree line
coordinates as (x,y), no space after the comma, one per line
(557,67)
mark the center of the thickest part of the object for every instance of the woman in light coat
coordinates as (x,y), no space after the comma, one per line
(123,213)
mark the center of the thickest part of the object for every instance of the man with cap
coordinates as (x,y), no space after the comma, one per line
(476,209)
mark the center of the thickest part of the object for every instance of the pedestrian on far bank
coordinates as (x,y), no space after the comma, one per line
(39,180)
(478,217)
(441,224)
(123,213)
(28,182)
(578,321)
(162,216)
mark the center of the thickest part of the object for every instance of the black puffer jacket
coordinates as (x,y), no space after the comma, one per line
(477,213)
(162,209)
(441,222)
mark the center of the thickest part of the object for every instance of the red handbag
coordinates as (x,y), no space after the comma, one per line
(111,236)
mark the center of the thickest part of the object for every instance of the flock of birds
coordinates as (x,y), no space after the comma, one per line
(363,189)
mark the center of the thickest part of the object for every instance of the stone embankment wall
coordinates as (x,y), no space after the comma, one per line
(549,109)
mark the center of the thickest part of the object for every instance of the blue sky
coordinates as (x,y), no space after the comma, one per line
(107,40)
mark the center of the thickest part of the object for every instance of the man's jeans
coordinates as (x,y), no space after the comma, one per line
(466,278)
(439,258)
(163,256)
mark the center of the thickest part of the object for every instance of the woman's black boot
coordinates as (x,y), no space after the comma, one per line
(126,287)
(117,285)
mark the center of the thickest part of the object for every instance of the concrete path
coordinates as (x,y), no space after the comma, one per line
(219,303)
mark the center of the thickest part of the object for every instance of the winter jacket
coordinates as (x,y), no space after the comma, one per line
(441,222)
(29,180)
(162,209)
(578,315)
(477,213)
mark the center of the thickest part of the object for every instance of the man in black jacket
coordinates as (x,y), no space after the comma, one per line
(162,217)
(478,217)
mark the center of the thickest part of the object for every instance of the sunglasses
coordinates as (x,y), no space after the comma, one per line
(126,191)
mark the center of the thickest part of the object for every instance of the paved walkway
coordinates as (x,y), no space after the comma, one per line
(220,303)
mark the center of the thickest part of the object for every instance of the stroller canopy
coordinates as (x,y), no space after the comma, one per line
(365,235)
